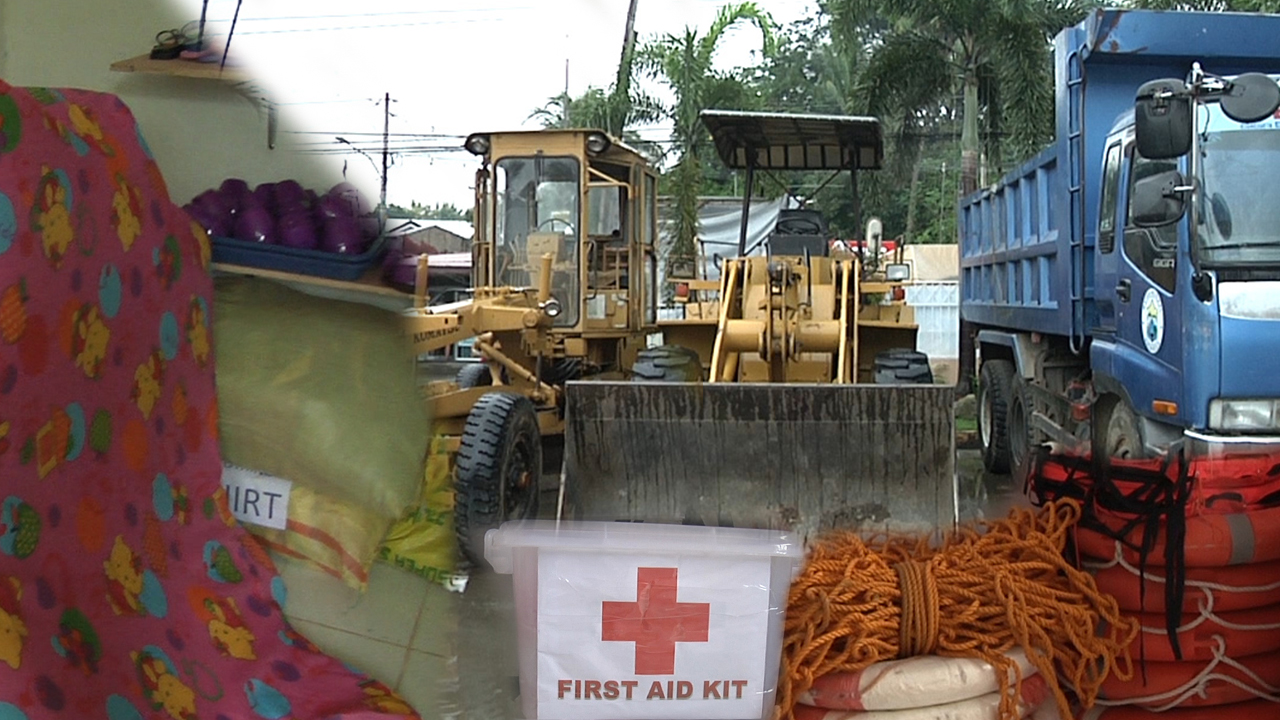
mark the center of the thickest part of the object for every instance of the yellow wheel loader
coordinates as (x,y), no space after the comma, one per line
(564,288)
(816,411)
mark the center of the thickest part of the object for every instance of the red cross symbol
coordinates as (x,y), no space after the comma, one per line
(655,622)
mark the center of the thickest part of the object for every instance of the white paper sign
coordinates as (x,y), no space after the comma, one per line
(650,636)
(257,498)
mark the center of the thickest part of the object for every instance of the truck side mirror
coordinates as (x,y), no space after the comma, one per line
(1250,98)
(1158,200)
(1162,119)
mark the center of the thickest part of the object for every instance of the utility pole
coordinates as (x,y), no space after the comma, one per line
(622,85)
(564,115)
(386,134)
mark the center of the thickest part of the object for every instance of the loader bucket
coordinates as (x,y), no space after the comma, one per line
(804,458)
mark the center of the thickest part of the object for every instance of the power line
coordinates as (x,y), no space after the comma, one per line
(374,27)
(397,13)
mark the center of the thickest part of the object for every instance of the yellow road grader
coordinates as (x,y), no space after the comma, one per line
(775,430)
(564,274)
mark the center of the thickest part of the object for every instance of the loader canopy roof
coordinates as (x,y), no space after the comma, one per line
(785,141)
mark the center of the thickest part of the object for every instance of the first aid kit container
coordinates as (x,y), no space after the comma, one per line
(637,621)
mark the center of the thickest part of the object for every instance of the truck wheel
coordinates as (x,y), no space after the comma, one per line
(667,363)
(498,468)
(995,382)
(1019,423)
(901,366)
(476,375)
(1117,427)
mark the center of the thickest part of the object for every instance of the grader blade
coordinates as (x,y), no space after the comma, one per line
(804,458)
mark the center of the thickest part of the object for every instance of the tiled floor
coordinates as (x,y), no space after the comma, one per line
(415,636)
(402,630)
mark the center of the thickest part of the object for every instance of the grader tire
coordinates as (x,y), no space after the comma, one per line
(667,363)
(498,468)
(476,375)
(903,367)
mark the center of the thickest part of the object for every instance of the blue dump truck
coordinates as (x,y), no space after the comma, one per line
(1124,284)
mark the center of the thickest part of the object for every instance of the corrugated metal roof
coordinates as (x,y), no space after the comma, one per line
(785,141)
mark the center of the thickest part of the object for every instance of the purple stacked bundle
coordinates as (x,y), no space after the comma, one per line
(286,214)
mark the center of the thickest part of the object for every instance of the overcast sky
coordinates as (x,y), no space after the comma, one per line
(452,68)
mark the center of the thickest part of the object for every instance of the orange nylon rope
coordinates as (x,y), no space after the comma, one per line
(985,591)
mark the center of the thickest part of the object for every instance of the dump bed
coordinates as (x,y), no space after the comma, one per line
(1026,243)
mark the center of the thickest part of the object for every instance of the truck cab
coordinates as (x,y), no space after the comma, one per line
(1187,273)
(1124,283)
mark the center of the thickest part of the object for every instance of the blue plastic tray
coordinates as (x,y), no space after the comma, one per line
(294,260)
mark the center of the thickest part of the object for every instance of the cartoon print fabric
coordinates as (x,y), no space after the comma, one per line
(127,590)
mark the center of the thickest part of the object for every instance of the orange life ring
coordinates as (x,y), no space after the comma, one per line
(1034,693)
(1236,587)
(1248,710)
(909,683)
(1220,681)
(1224,484)
(1243,632)
(1211,540)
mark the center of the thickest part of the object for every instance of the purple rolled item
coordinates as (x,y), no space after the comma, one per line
(298,230)
(370,227)
(254,224)
(212,201)
(233,191)
(312,197)
(403,272)
(341,235)
(291,207)
(289,192)
(212,223)
(332,206)
(354,198)
(400,265)
(266,195)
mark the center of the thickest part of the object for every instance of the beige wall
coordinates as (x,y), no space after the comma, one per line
(201,131)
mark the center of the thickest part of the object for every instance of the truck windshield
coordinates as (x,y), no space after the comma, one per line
(1239,217)
(537,207)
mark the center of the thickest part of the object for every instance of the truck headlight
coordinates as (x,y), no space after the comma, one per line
(1244,415)
(552,308)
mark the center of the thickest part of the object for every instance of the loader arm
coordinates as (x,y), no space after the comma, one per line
(507,309)
(438,327)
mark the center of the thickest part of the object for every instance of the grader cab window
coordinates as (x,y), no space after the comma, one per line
(610,258)
(538,214)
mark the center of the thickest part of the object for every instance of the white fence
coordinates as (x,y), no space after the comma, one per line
(937,308)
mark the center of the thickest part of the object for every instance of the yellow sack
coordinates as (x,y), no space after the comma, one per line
(423,542)
(332,535)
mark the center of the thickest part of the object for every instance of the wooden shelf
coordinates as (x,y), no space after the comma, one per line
(180,68)
(371,282)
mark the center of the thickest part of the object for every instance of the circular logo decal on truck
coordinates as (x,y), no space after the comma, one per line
(1152,321)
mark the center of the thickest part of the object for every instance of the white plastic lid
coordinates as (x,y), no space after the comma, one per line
(500,543)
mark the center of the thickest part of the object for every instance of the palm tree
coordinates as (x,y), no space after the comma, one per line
(685,63)
(601,110)
(993,54)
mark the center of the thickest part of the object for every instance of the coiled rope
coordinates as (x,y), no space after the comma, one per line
(982,592)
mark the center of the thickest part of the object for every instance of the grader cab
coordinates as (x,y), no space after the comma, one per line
(564,288)
(816,411)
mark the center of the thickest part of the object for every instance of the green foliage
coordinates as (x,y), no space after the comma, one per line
(439,211)
(685,62)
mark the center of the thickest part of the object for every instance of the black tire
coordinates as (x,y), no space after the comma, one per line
(667,363)
(1019,422)
(1117,427)
(497,470)
(995,383)
(901,366)
(476,375)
